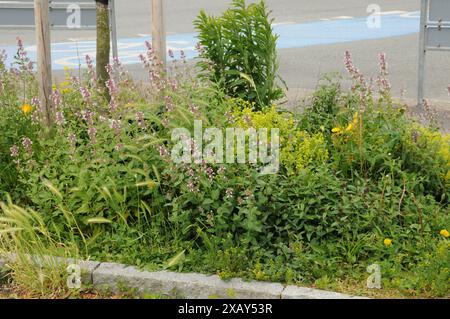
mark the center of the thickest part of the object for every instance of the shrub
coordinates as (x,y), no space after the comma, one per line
(428,151)
(239,49)
(18,121)
(299,149)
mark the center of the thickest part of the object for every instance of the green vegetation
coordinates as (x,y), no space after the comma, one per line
(360,182)
(240,54)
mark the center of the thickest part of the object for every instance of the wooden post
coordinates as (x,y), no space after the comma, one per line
(113,28)
(44,59)
(158,31)
(422,53)
(103,44)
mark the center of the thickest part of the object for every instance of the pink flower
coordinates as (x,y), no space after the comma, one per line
(56,98)
(59,118)
(112,87)
(90,65)
(163,152)
(351,68)
(118,147)
(210,173)
(87,116)
(24,61)
(230,117)
(169,104)
(109,69)
(115,125)
(14,151)
(193,108)
(190,172)
(199,48)
(75,81)
(191,186)
(27,145)
(140,120)
(112,105)
(383,63)
(382,80)
(165,122)
(72,138)
(92,132)
(85,93)
(3,56)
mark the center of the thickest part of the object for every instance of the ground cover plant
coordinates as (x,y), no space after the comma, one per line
(360,182)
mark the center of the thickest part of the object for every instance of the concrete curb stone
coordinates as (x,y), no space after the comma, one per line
(121,278)
(294,292)
(191,286)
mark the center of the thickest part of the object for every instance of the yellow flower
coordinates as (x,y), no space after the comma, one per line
(336,130)
(67,71)
(444,233)
(350,127)
(388,242)
(353,124)
(355,118)
(27,108)
(64,84)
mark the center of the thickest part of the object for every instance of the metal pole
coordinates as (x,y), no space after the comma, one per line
(422,52)
(158,31)
(44,59)
(113,26)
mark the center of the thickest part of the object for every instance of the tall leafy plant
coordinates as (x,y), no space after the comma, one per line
(238,51)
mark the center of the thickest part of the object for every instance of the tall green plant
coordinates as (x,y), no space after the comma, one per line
(239,52)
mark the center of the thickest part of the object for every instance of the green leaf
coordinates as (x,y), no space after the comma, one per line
(176,260)
(53,189)
(98,220)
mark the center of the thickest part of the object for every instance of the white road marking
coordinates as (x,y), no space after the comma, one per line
(82,39)
(411,15)
(389,12)
(342,18)
(283,23)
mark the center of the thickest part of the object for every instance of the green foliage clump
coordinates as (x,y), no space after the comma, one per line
(239,52)
(16,121)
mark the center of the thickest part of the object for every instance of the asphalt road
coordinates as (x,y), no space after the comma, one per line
(301,67)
